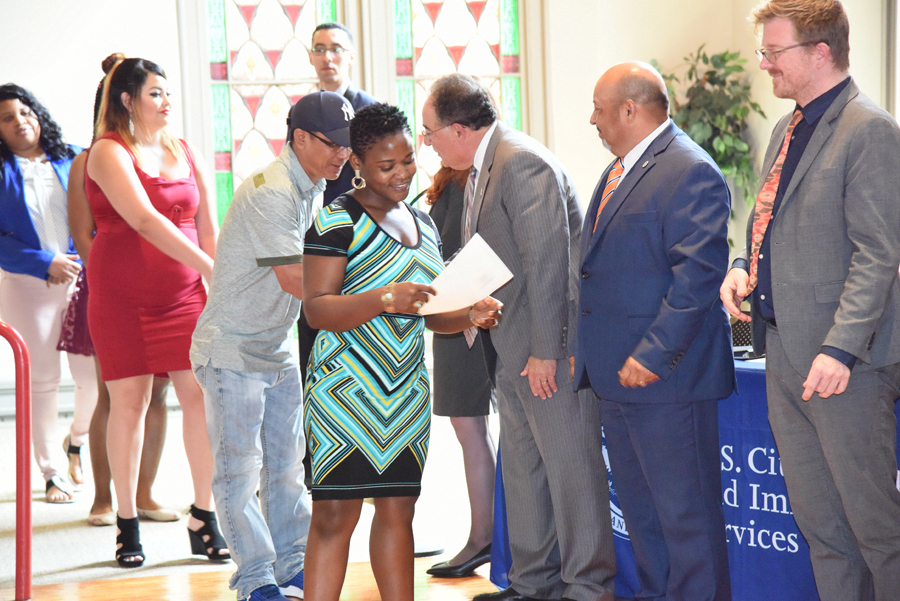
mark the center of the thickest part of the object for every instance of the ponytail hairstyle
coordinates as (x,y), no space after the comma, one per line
(108,63)
(128,76)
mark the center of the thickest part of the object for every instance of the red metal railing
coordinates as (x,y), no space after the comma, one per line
(23,461)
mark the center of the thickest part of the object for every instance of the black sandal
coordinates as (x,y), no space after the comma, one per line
(130,554)
(214,546)
(58,482)
(71,452)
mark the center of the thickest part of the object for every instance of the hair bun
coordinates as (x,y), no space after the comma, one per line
(110,61)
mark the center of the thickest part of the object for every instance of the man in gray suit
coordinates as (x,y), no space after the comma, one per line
(521,200)
(821,267)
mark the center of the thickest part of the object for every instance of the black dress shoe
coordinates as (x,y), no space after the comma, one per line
(509,594)
(445,570)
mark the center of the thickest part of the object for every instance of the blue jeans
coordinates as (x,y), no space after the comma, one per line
(256,434)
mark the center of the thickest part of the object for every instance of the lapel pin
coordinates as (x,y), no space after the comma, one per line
(645,164)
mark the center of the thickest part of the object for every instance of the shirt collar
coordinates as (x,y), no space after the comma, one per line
(28,168)
(635,153)
(814,110)
(23,161)
(298,173)
(478,161)
(341,90)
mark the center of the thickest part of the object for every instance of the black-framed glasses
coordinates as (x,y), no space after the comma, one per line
(426,135)
(335,148)
(323,50)
(772,55)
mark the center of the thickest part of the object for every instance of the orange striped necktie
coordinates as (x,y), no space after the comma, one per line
(762,211)
(612,181)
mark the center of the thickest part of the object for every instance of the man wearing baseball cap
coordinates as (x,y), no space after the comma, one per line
(242,356)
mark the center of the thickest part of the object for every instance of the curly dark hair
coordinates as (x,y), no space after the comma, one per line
(373,123)
(463,99)
(52,140)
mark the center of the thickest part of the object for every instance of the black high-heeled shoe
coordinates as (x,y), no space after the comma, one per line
(466,568)
(214,547)
(131,553)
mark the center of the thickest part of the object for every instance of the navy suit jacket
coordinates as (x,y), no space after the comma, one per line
(344,182)
(650,277)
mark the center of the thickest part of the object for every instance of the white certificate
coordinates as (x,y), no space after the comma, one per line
(474,273)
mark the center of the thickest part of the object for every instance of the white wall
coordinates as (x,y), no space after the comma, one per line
(582,40)
(54,49)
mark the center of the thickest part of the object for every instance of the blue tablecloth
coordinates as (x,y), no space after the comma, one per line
(768,557)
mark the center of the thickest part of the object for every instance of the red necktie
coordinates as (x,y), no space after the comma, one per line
(612,181)
(762,211)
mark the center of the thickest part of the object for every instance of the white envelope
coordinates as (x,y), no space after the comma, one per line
(474,273)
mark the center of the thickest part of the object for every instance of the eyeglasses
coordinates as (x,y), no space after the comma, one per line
(335,148)
(772,55)
(426,135)
(322,50)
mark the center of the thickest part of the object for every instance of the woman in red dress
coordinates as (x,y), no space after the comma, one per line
(156,237)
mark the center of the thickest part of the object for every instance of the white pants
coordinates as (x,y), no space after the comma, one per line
(36,311)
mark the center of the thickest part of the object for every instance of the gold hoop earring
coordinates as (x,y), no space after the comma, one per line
(358,182)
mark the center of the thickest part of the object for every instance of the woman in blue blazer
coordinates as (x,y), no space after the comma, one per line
(38,267)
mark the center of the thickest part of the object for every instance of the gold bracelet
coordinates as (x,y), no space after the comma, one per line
(387,297)
(472,316)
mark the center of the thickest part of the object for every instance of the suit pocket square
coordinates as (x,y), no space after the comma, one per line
(830,292)
(640,217)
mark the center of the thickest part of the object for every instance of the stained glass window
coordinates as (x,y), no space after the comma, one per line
(436,38)
(260,68)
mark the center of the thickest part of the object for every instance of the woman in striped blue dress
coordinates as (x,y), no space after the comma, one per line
(368,263)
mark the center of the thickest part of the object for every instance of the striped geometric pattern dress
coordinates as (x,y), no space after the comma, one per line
(367,415)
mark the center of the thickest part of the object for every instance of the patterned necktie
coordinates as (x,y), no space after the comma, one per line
(611,183)
(469,195)
(762,211)
(470,201)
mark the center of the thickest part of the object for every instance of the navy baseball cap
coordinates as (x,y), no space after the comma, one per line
(324,112)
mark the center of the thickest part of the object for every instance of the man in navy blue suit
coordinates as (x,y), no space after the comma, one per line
(653,340)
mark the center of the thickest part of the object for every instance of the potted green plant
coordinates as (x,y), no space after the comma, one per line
(712,107)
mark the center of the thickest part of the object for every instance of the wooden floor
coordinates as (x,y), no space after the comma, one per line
(213,586)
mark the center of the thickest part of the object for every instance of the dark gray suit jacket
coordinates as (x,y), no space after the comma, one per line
(835,246)
(527,211)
